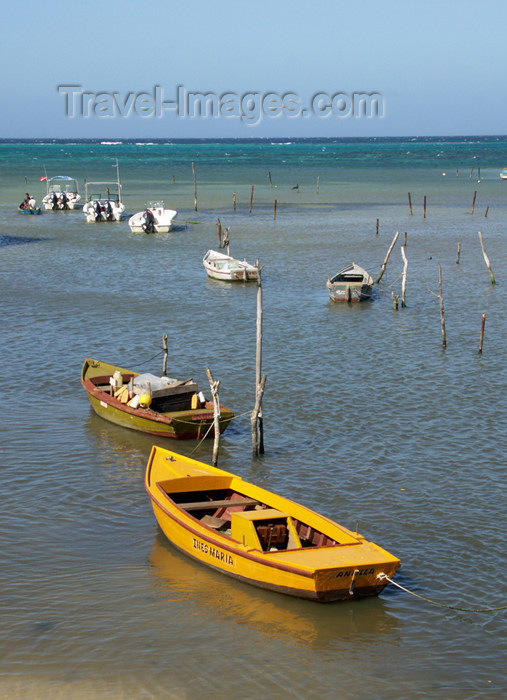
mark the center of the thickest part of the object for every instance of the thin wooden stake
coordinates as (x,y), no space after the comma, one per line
(234,201)
(487,209)
(441,298)
(395,300)
(478,174)
(377,228)
(216,415)
(164,345)
(195,186)
(486,259)
(274,210)
(405,240)
(459,253)
(404,276)
(251,199)
(424,206)
(410,203)
(383,268)
(482,333)
(270,183)
(318,184)
(258,444)
(219,233)
(473,203)
(457,172)
(471,172)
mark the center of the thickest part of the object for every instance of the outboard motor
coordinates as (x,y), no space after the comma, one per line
(54,201)
(109,210)
(148,224)
(64,201)
(97,211)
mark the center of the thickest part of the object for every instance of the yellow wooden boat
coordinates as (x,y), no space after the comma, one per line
(258,537)
(174,411)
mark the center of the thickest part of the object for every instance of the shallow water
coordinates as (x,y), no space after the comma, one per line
(367,419)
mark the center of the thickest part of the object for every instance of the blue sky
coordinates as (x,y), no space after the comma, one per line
(437,66)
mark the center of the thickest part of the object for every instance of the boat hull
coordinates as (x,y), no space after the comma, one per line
(350,292)
(351,570)
(180,425)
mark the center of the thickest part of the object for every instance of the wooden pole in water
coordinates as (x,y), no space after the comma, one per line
(251,199)
(457,172)
(318,184)
(405,240)
(274,210)
(257,420)
(471,172)
(487,209)
(473,202)
(482,333)
(478,174)
(377,228)
(410,203)
(486,259)
(383,268)
(216,415)
(164,345)
(395,300)
(234,201)
(441,298)
(195,186)
(424,206)
(459,253)
(219,233)
(270,182)
(404,276)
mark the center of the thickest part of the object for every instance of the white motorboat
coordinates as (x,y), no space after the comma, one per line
(350,284)
(223,267)
(503,174)
(154,219)
(62,193)
(103,200)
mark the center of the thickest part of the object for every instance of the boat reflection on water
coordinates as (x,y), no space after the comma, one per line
(277,616)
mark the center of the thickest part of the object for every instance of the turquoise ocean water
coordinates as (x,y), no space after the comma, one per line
(367,418)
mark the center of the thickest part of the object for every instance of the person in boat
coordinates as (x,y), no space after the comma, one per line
(25,204)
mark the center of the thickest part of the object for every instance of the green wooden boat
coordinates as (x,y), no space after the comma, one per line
(164,407)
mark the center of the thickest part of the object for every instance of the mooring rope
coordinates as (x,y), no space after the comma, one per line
(385,577)
(140,364)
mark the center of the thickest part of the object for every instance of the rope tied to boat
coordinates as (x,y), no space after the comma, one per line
(385,577)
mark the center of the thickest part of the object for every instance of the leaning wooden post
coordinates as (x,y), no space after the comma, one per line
(487,209)
(404,276)
(482,333)
(473,202)
(257,420)
(383,268)
(216,414)
(195,187)
(410,203)
(459,253)
(270,182)
(234,201)
(219,224)
(442,319)
(164,345)
(486,259)
(424,206)
(251,199)
(274,210)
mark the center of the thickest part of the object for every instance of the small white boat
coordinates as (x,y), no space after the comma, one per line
(503,174)
(223,267)
(62,193)
(350,284)
(103,200)
(154,219)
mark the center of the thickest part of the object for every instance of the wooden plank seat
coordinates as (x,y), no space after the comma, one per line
(205,505)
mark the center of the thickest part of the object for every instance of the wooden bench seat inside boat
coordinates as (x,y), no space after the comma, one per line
(224,503)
